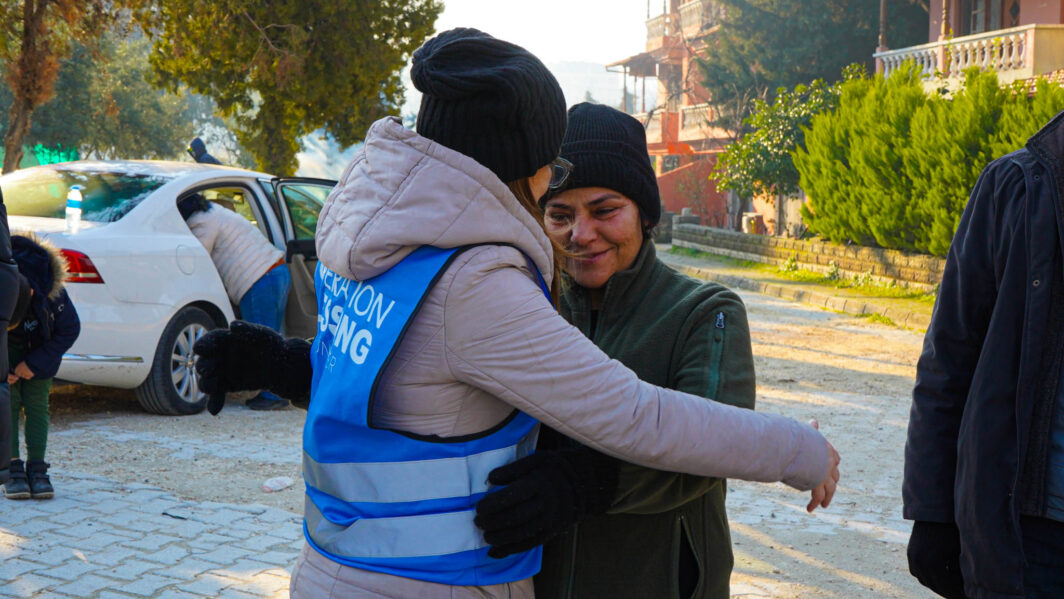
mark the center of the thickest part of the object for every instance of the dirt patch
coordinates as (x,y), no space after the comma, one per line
(223,458)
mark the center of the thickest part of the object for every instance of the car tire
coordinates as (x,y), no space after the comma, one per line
(171,387)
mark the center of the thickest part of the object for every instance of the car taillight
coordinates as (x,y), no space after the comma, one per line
(81,269)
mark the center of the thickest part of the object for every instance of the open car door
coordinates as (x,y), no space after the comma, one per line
(299,200)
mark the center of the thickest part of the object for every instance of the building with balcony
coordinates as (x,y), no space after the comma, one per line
(1018,39)
(682,143)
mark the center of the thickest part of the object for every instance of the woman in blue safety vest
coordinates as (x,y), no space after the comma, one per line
(438,349)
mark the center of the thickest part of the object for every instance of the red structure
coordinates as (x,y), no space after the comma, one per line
(682,144)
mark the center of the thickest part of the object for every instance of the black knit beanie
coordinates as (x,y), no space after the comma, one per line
(490,100)
(608,148)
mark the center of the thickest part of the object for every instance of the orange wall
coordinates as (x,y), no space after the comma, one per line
(689,186)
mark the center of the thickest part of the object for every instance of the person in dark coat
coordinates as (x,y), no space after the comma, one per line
(36,344)
(984,459)
(198,150)
(9,289)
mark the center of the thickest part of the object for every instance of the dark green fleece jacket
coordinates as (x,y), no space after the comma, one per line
(665,531)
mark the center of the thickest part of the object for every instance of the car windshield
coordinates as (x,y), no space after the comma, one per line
(107,196)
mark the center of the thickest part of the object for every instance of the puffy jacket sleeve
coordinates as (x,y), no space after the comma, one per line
(44,361)
(952,346)
(206,228)
(716,362)
(502,336)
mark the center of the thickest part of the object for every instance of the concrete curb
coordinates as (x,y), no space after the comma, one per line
(905,318)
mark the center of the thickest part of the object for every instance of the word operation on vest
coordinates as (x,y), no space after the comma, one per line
(352,311)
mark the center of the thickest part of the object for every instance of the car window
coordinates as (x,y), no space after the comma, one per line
(107,196)
(304,202)
(232,198)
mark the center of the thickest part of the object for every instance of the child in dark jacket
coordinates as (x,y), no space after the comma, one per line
(35,346)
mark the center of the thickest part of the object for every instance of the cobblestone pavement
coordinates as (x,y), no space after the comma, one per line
(99,538)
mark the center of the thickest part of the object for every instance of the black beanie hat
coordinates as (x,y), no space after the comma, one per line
(490,100)
(608,148)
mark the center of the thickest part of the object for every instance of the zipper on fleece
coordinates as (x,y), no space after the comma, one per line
(571,578)
(716,354)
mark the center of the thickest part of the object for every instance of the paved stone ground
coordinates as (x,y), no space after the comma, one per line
(102,539)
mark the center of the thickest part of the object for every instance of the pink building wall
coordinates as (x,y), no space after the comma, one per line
(1031,12)
(1041,11)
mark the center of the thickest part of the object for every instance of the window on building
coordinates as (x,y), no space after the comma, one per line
(978,16)
(1012,13)
(670,163)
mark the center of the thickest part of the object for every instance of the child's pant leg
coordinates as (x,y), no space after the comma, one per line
(34,399)
(16,412)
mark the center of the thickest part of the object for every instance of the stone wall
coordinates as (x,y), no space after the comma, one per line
(918,271)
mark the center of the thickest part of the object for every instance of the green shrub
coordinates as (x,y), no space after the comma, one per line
(850,166)
(949,144)
(893,165)
(760,162)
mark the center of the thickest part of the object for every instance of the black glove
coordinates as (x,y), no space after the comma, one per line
(545,494)
(934,558)
(249,356)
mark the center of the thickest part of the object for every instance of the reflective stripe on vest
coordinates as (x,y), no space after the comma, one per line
(383,500)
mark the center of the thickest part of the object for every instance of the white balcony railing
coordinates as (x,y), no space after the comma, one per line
(693,15)
(653,128)
(695,116)
(657,27)
(1015,53)
(698,15)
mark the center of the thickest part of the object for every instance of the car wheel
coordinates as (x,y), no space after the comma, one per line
(171,387)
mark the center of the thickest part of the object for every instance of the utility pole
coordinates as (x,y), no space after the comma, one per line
(882,26)
(880,67)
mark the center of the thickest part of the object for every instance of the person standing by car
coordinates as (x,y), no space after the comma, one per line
(36,345)
(984,457)
(252,270)
(661,530)
(198,151)
(439,350)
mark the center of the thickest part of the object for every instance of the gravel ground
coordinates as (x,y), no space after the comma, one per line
(853,375)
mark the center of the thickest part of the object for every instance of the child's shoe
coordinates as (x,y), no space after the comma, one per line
(40,486)
(17,487)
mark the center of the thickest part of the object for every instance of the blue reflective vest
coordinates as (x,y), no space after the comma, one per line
(385,500)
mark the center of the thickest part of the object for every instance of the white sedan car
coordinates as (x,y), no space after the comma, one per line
(144,287)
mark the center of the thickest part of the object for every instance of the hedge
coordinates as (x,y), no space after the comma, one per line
(892,165)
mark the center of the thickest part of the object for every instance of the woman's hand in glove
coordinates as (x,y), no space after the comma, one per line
(544,494)
(248,356)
